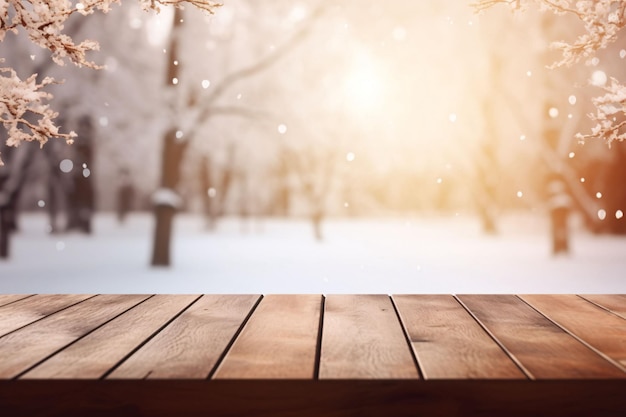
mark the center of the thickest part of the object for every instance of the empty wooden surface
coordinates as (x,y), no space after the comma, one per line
(615,303)
(449,343)
(193,343)
(313,337)
(29,345)
(586,321)
(279,340)
(27,310)
(543,349)
(93,355)
(312,355)
(363,338)
(11,298)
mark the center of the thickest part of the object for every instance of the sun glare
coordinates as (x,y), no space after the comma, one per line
(363,86)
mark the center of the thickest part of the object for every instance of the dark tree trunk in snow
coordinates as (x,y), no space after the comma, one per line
(173,153)
(4,233)
(8,224)
(81,197)
(209,192)
(12,178)
(317,218)
(125,195)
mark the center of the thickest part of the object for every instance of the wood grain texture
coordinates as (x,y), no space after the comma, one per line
(28,310)
(95,354)
(191,345)
(597,327)
(615,303)
(29,345)
(449,343)
(11,298)
(363,338)
(279,340)
(541,347)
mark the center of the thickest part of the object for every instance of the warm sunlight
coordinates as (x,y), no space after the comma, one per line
(363,85)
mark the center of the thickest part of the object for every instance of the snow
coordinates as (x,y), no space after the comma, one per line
(411,255)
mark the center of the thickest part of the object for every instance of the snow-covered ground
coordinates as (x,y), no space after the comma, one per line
(409,255)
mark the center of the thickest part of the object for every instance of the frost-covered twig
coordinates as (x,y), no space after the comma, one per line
(43,22)
(602,20)
(24,112)
(610,115)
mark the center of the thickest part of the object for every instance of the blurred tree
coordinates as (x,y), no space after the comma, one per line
(125,195)
(602,21)
(24,112)
(593,184)
(81,195)
(192,110)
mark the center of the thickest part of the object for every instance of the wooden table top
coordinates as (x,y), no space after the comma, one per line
(313,336)
(338,348)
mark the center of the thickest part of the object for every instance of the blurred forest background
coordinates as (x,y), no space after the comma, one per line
(318,110)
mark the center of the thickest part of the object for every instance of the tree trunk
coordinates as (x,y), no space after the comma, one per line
(317,225)
(162,235)
(208,191)
(173,153)
(4,233)
(81,197)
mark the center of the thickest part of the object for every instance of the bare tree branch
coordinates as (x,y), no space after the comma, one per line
(260,65)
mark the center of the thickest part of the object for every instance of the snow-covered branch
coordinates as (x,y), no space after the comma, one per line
(276,55)
(43,21)
(602,21)
(23,105)
(610,116)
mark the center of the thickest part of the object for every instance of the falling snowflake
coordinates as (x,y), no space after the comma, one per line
(66,165)
(598,78)
(553,112)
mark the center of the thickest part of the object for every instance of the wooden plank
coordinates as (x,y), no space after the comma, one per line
(615,303)
(449,343)
(363,338)
(28,310)
(29,345)
(190,346)
(279,340)
(594,325)
(11,298)
(95,354)
(544,350)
